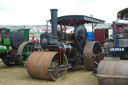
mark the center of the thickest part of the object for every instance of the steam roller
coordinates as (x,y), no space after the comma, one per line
(115,71)
(62,49)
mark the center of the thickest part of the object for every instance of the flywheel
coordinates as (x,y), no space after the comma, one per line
(80,36)
(17,38)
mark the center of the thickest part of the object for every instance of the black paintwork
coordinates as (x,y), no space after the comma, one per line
(56,41)
(76,20)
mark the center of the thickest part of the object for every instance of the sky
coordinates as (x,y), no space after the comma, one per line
(36,12)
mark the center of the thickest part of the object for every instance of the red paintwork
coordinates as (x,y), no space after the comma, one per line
(99,35)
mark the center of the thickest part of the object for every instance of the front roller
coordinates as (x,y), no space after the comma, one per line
(91,55)
(113,72)
(45,65)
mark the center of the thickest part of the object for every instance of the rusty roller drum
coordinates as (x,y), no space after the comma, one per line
(39,62)
(91,55)
(113,72)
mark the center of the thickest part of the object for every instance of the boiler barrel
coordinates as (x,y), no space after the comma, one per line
(5,49)
(113,72)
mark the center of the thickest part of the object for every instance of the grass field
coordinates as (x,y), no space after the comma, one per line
(18,76)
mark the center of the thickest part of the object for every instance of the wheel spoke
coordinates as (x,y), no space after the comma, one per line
(28,51)
(95,62)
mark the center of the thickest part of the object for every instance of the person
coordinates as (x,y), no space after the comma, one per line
(37,41)
(31,40)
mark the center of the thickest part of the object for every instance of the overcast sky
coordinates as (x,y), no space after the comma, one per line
(36,12)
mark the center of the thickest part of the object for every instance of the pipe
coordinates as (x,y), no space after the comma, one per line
(54,22)
(114,27)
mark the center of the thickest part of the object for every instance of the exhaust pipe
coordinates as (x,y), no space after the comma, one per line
(114,28)
(54,22)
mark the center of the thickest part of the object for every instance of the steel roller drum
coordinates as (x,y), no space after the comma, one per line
(39,62)
(113,72)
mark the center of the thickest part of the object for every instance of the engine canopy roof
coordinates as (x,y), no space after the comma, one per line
(75,20)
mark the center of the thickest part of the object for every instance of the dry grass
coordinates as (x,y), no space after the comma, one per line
(18,76)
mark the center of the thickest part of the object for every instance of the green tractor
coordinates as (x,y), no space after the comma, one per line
(15,47)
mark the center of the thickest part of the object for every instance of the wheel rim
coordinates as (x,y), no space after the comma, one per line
(91,55)
(58,75)
(96,51)
(27,50)
(24,50)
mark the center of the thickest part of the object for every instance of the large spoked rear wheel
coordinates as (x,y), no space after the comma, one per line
(24,50)
(92,51)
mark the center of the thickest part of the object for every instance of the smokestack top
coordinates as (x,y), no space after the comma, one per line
(54,9)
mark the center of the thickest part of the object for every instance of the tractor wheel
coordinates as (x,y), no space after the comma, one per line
(91,55)
(23,52)
(44,65)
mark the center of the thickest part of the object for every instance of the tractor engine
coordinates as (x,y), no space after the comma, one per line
(12,44)
(61,50)
(114,71)
(68,43)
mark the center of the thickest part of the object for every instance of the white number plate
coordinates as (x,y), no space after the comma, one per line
(116,49)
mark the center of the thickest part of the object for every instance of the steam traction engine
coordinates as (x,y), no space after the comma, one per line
(64,50)
(14,46)
(115,71)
